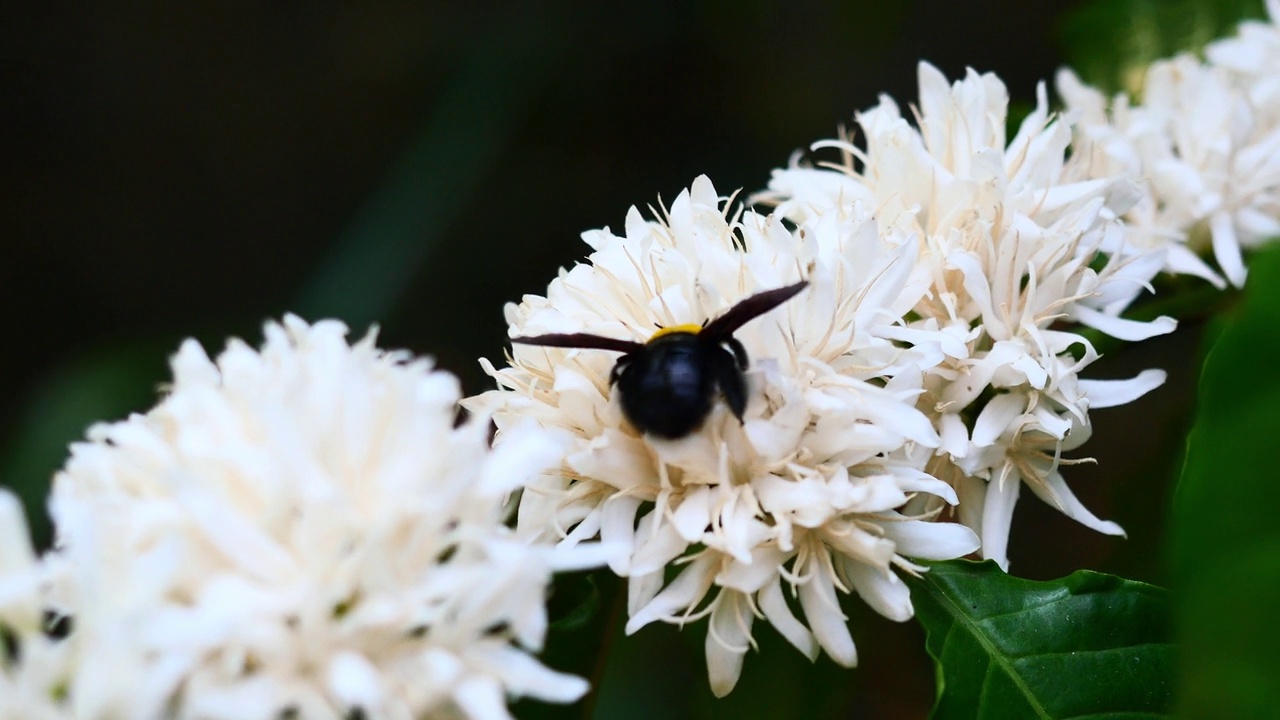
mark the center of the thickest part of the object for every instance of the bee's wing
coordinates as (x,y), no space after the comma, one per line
(580,340)
(751,308)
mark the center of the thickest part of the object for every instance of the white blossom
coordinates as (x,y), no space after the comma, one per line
(1109,141)
(771,518)
(303,530)
(1203,142)
(1252,59)
(34,667)
(1020,251)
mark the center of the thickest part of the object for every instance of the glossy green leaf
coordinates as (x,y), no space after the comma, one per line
(1226,548)
(1085,645)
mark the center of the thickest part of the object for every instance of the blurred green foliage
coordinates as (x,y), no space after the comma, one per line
(1226,541)
(1110,42)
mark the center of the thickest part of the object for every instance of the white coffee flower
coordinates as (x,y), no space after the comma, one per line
(35,669)
(1013,242)
(1205,142)
(1107,142)
(302,530)
(800,499)
(1252,58)
(958,184)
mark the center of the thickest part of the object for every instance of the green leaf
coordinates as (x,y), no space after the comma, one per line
(1110,42)
(1087,644)
(1226,540)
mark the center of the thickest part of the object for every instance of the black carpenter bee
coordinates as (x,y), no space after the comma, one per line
(668,384)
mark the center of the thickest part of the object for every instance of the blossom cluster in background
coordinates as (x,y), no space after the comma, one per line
(305,530)
(1203,145)
(297,532)
(1013,267)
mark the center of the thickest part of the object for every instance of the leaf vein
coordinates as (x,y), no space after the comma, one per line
(957,613)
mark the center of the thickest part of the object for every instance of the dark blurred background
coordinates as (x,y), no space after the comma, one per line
(177,169)
(180,169)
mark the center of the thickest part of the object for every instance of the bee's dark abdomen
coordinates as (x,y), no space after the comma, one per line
(668,388)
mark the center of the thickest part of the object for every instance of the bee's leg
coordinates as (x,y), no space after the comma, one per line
(739,352)
(618,368)
(733,384)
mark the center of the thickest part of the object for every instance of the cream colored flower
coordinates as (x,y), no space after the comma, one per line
(1252,58)
(1107,142)
(1018,251)
(34,668)
(1204,142)
(302,530)
(777,515)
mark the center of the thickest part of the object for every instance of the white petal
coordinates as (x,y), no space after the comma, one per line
(728,639)
(481,698)
(1122,328)
(931,540)
(236,536)
(822,610)
(955,436)
(619,459)
(583,557)
(618,528)
(1226,248)
(657,548)
(997,516)
(774,606)
(526,451)
(996,418)
(693,514)
(523,675)
(685,591)
(19,601)
(882,589)
(1185,262)
(1060,496)
(751,576)
(920,482)
(1111,393)
(642,589)
(354,681)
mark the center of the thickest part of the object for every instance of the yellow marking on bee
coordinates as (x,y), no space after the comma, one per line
(690,329)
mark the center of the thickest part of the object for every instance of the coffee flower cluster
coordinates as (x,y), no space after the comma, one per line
(1202,142)
(34,667)
(934,366)
(296,532)
(1015,264)
(777,514)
